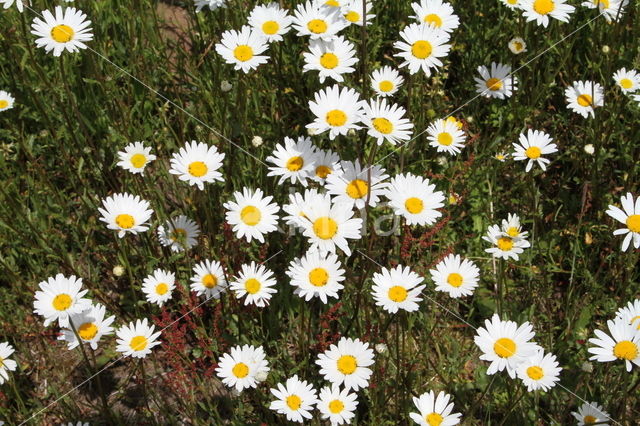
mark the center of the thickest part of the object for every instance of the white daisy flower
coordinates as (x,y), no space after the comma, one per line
(541,10)
(67,30)
(627,81)
(512,4)
(6,101)
(6,364)
(415,199)
(624,344)
(501,156)
(243,48)
(503,246)
(591,413)
(630,314)
(125,213)
(197,163)
(517,45)
(299,204)
(436,13)
(398,288)
(337,406)
(326,162)
(386,81)
(456,276)
(179,233)
(136,339)
(19,4)
(613,10)
(539,372)
(58,298)
(386,122)
(497,82)
(135,157)
(354,13)
(209,279)
(583,96)
(90,325)
(256,282)
(330,224)
(331,58)
(532,147)
(347,363)
(446,136)
(158,286)
(421,47)
(630,216)
(294,161)
(355,185)
(295,399)
(319,22)
(337,110)
(434,410)
(270,21)
(238,368)
(316,274)
(505,344)
(512,228)
(211,4)
(251,214)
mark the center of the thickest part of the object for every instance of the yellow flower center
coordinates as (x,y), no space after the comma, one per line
(317,26)
(434,419)
(325,228)
(633,223)
(352,16)
(198,169)
(4,103)
(294,164)
(329,60)
(589,420)
(382,125)
(397,293)
(270,27)
(62,302)
(125,221)
(421,49)
(603,3)
(454,279)
(544,7)
(209,281)
(535,372)
(513,232)
(625,83)
(87,331)
(494,84)
(252,286)
(240,370)
(386,86)
(445,139)
(517,46)
(162,289)
(357,188)
(243,53)
(347,364)
(533,152)
(178,234)
(138,160)
(414,205)
(323,171)
(336,118)
(62,33)
(294,402)
(585,100)
(504,347)
(318,277)
(512,2)
(333,3)
(336,406)
(505,243)
(138,343)
(433,19)
(626,349)
(250,215)
(455,121)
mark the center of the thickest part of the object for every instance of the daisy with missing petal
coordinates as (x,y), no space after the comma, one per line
(158,286)
(386,122)
(623,345)
(539,372)
(505,344)
(58,298)
(386,81)
(347,363)
(532,147)
(397,288)
(326,162)
(456,276)
(211,4)
(337,110)
(434,411)
(67,30)
(299,204)
(337,406)
(6,364)
(209,279)
(627,81)
(630,216)
(179,233)
(331,58)
(242,48)
(136,339)
(611,9)
(329,224)
(251,214)
(6,101)
(630,314)
(295,399)
(125,213)
(293,160)
(591,413)
(256,282)
(135,157)
(415,199)
(504,246)
(270,21)
(583,97)
(318,22)
(356,185)
(355,14)
(436,13)
(446,136)
(238,368)
(316,274)
(512,228)
(19,4)
(512,4)
(517,45)
(497,82)
(541,10)
(197,163)
(90,325)
(421,47)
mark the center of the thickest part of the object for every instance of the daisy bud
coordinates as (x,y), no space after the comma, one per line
(261,376)
(312,132)
(469,119)
(256,141)
(351,132)
(118,270)
(442,160)
(381,348)
(225,86)
(587,367)
(589,149)
(606,49)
